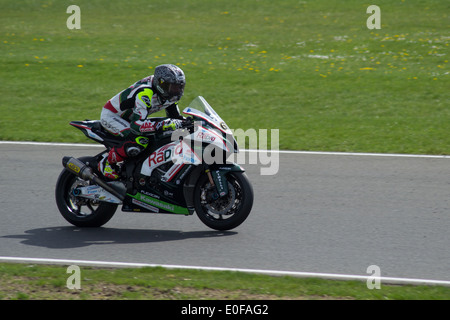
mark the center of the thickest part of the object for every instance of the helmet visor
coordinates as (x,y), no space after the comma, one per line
(175,91)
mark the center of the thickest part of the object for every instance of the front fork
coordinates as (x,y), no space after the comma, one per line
(217,177)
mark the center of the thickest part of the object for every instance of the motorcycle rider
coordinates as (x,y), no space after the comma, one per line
(125,114)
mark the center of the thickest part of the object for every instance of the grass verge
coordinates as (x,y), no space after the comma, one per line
(311,69)
(46,282)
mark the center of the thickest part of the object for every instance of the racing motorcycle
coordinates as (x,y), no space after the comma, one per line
(180,172)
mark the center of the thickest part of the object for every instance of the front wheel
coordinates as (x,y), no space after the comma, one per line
(226,212)
(79,211)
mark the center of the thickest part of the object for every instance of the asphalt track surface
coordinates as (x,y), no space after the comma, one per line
(321,213)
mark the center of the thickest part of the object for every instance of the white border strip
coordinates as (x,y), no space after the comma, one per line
(62,144)
(331,276)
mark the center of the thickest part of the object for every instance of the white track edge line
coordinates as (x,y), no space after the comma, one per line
(331,276)
(62,144)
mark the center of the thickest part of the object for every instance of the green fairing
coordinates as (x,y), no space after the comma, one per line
(160,204)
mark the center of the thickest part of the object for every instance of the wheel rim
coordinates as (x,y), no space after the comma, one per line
(221,208)
(78,206)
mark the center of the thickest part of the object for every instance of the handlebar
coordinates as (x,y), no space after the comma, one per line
(188,123)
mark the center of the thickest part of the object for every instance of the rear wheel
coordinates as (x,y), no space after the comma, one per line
(229,211)
(79,211)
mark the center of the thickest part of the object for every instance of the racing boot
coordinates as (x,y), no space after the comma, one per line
(108,170)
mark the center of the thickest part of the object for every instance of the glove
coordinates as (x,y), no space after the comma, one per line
(172,124)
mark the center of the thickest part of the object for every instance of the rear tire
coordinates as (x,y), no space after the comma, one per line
(227,212)
(79,211)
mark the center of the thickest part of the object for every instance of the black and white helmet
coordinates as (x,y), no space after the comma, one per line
(169,82)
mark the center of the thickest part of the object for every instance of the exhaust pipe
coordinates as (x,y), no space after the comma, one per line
(84,172)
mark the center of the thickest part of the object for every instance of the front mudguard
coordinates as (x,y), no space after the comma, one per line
(218,172)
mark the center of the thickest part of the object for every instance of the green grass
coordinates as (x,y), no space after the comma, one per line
(311,69)
(31,282)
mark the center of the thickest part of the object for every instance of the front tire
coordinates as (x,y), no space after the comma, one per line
(79,211)
(227,212)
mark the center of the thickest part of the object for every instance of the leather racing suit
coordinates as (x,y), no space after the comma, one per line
(125,115)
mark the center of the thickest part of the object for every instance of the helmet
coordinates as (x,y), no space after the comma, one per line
(169,82)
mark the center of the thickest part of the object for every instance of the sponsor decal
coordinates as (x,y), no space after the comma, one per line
(159,157)
(150,194)
(147,127)
(112,127)
(146,100)
(168,194)
(145,205)
(97,193)
(220,183)
(184,153)
(73,167)
(159,204)
(185,172)
(155,202)
(205,137)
